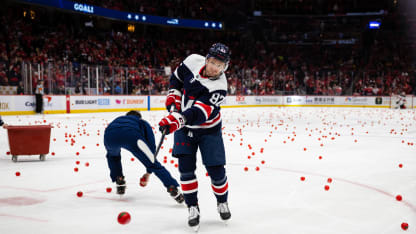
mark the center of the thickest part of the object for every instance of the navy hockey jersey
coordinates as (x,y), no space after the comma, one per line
(201,96)
(134,123)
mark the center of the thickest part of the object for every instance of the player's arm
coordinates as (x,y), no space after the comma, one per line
(204,107)
(174,97)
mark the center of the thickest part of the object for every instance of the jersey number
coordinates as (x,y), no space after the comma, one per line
(217,99)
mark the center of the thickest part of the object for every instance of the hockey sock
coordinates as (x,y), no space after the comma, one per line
(219,182)
(189,185)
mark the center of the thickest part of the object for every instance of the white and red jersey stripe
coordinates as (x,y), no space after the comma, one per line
(189,186)
(206,109)
(208,124)
(220,189)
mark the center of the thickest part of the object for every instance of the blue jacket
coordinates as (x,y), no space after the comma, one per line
(135,123)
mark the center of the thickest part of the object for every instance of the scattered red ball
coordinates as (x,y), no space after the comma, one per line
(245,168)
(302,178)
(329,180)
(123,218)
(262,162)
(320,157)
(77,162)
(87,164)
(108,190)
(17,173)
(77,153)
(76,169)
(400,165)
(132,159)
(326,187)
(8,152)
(98,144)
(207,174)
(79,194)
(399,197)
(257,168)
(53,153)
(405,226)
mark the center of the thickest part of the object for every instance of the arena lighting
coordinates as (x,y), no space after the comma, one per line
(127,16)
(374,25)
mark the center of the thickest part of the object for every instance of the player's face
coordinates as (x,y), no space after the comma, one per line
(214,67)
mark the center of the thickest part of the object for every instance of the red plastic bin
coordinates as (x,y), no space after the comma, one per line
(29,140)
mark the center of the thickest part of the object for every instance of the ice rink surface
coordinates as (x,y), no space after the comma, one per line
(279,161)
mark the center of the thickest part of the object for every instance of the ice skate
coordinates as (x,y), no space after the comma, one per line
(193,218)
(121,185)
(224,211)
(175,194)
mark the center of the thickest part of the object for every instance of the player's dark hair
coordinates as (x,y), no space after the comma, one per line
(134,112)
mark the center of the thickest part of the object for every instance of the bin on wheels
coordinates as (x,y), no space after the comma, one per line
(29,140)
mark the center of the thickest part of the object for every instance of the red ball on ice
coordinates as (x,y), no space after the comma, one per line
(405,226)
(79,194)
(108,190)
(302,178)
(17,173)
(124,218)
(326,187)
(399,197)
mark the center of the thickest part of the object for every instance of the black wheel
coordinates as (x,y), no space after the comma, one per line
(14,158)
(42,157)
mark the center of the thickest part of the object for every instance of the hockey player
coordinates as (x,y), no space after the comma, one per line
(197,89)
(134,134)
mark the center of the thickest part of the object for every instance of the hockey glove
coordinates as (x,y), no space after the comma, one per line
(174,99)
(171,123)
(144,179)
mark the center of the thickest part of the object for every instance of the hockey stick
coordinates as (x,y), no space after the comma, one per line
(163,135)
(160,142)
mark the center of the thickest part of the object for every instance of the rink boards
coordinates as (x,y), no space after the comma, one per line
(54,104)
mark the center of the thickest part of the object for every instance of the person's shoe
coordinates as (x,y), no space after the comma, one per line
(193,218)
(224,211)
(175,194)
(121,185)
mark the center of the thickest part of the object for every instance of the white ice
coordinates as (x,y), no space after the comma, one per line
(365,174)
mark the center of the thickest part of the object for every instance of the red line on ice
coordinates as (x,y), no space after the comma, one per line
(25,218)
(406,203)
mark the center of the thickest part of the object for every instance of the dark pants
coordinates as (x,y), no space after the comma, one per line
(117,138)
(212,151)
(39,103)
